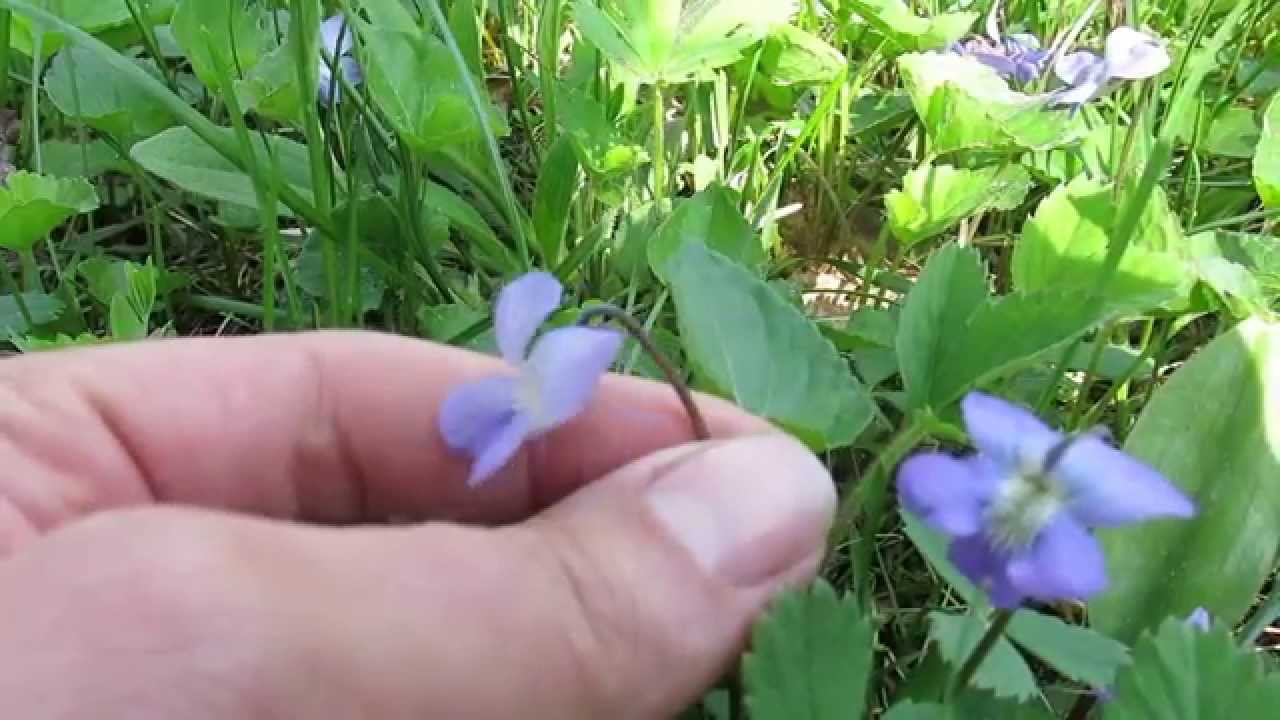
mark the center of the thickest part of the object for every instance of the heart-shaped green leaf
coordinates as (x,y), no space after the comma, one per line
(966,105)
(762,352)
(182,158)
(712,218)
(936,197)
(85,90)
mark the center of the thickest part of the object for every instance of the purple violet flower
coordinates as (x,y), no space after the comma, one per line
(1129,55)
(337,45)
(1020,510)
(1018,56)
(490,419)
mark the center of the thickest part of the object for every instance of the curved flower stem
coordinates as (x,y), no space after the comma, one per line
(1262,619)
(1082,707)
(637,331)
(999,622)
(732,683)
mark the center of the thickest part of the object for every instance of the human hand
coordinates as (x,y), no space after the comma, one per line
(196,529)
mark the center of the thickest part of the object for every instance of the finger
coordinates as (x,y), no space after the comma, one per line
(624,601)
(334,427)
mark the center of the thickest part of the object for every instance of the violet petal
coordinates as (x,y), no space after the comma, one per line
(566,365)
(1065,561)
(472,412)
(1009,435)
(1199,619)
(1108,488)
(996,61)
(949,494)
(986,567)
(522,307)
(1134,55)
(1078,67)
(335,36)
(498,447)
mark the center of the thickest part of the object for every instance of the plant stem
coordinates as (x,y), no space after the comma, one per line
(1262,619)
(481,108)
(1082,707)
(659,143)
(999,622)
(5,24)
(871,498)
(637,331)
(11,285)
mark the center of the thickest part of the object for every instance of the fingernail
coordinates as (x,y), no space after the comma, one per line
(748,510)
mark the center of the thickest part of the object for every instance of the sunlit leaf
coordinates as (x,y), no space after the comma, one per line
(600,146)
(953,336)
(906,31)
(97,17)
(1235,133)
(1180,118)
(792,56)
(934,198)
(271,87)
(672,41)
(965,104)
(1064,247)
(31,206)
(952,286)
(1266,160)
(414,79)
(1233,283)
(558,183)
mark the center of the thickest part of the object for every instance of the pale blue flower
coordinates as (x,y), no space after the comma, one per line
(490,419)
(337,47)
(1199,619)
(1129,55)
(1021,509)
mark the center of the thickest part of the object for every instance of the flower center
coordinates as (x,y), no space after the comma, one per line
(1023,506)
(529,402)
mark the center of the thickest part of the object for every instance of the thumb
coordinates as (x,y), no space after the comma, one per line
(643,586)
(626,600)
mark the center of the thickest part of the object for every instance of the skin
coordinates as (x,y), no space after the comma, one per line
(271,527)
